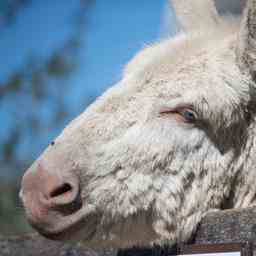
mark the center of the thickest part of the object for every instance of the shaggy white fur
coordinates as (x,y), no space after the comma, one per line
(173,139)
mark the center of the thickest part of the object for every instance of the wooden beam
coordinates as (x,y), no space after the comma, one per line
(217,227)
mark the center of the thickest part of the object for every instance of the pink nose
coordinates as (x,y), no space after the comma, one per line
(43,192)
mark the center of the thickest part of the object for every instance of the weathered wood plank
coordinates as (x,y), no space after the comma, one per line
(228,226)
(35,245)
(217,227)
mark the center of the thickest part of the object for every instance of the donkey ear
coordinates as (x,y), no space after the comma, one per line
(195,14)
(230,7)
(246,50)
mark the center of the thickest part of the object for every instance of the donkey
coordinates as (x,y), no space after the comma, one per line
(174,139)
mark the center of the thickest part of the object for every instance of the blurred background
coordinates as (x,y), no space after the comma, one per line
(56,57)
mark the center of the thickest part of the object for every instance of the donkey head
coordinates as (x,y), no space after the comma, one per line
(150,157)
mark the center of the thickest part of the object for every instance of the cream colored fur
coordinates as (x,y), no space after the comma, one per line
(146,177)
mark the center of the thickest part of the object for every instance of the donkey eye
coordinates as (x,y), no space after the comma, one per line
(181,114)
(189,115)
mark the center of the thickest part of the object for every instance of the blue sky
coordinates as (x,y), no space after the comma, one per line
(115,31)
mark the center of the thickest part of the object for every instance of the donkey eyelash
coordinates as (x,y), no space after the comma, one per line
(187,113)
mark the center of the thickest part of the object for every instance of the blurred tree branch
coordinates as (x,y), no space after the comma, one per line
(25,95)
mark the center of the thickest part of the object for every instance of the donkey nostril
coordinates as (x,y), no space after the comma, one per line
(61,190)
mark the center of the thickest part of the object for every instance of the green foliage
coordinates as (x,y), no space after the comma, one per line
(12,218)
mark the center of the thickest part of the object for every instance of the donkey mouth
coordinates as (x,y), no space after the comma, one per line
(67,228)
